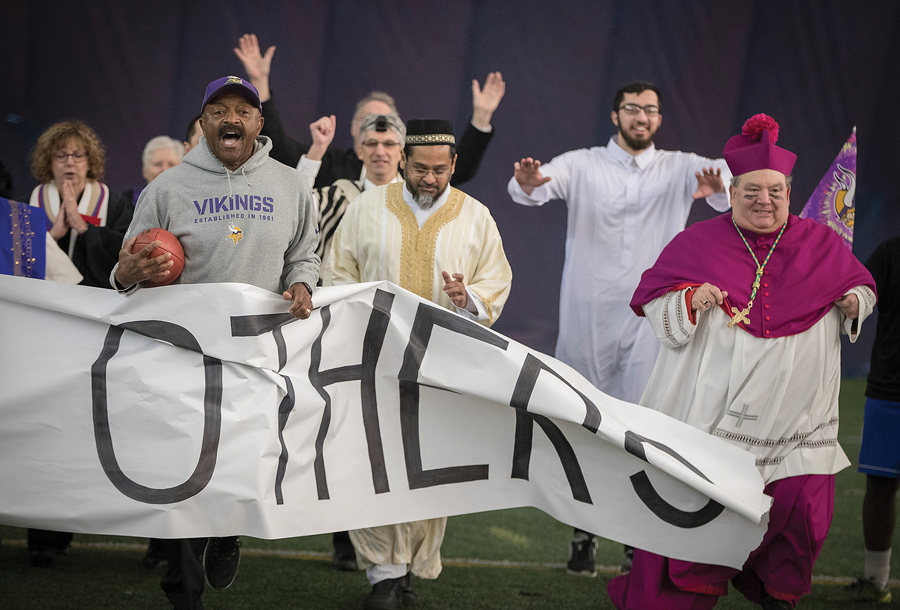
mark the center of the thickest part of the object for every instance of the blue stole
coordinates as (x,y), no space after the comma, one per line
(23,239)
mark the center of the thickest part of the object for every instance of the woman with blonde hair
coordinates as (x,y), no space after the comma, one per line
(88,220)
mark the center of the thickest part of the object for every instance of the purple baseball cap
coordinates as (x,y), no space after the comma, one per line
(231,84)
(755,148)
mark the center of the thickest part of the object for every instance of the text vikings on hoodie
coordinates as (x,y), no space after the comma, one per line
(257,225)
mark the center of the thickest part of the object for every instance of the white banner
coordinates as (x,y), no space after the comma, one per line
(202,410)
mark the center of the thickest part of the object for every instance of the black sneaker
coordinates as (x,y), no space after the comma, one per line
(154,557)
(220,561)
(385,595)
(344,556)
(582,551)
(409,596)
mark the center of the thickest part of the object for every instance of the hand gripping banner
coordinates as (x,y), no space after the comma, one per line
(207,410)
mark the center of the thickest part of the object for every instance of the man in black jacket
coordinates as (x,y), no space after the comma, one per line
(337,164)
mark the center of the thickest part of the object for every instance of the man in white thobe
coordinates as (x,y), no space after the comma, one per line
(626,201)
(442,245)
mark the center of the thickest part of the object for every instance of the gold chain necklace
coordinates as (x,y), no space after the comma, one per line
(741,316)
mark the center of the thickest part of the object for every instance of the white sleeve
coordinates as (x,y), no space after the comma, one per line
(480,313)
(59,267)
(559,170)
(537,197)
(670,318)
(866,307)
(309,169)
(717,201)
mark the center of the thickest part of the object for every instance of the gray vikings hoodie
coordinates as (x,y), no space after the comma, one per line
(256,225)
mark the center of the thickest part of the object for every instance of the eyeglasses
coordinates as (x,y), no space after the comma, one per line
(61,156)
(634,109)
(373,144)
(421,172)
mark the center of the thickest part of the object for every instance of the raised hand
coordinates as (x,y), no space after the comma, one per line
(455,289)
(709,182)
(322,132)
(528,174)
(256,65)
(485,101)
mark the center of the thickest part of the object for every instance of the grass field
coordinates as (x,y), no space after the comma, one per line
(506,559)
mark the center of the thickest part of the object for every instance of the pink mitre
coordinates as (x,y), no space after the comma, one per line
(755,148)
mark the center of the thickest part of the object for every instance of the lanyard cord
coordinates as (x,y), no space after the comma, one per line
(741,316)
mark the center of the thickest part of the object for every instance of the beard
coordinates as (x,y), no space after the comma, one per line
(636,144)
(426,202)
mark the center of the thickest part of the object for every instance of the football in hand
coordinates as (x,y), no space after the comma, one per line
(168,243)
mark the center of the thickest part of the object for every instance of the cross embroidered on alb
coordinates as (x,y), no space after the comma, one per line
(742,415)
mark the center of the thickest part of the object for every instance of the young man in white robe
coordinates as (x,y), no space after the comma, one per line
(625,201)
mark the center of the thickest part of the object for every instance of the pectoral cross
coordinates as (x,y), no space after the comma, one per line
(739,316)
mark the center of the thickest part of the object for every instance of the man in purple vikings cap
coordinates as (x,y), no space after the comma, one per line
(240,216)
(749,308)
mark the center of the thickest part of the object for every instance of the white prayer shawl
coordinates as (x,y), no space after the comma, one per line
(776,398)
(332,201)
(622,211)
(60,267)
(94,200)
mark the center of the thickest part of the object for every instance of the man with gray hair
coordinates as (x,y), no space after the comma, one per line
(379,141)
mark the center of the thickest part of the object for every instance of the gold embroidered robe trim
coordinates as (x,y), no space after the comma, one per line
(418,249)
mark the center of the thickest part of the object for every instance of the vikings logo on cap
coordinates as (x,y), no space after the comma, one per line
(231,84)
(236,233)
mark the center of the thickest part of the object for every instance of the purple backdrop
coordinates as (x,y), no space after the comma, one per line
(136,70)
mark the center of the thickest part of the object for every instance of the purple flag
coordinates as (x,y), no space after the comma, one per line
(833,203)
